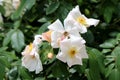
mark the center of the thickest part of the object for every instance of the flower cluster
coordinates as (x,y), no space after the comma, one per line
(64,36)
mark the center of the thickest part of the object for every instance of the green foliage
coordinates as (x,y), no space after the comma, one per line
(33,17)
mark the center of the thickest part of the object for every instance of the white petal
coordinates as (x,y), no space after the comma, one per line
(39,67)
(77,42)
(81,28)
(69,23)
(39,64)
(54,39)
(61,56)
(83,53)
(75,12)
(91,21)
(56,26)
(74,61)
(65,45)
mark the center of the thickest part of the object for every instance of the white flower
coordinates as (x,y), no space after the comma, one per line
(37,40)
(80,21)
(59,32)
(31,59)
(72,51)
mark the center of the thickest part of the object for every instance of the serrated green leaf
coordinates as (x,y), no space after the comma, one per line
(17,40)
(52,7)
(7,39)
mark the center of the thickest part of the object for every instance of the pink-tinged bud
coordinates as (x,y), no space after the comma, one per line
(50,55)
(47,35)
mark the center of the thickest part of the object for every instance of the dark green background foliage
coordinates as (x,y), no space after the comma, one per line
(102,41)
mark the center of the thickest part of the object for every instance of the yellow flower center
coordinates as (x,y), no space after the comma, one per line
(30,46)
(72,52)
(81,20)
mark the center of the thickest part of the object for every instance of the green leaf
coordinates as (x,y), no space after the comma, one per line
(52,7)
(118,37)
(13,73)
(115,75)
(116,53)
(25,4)
(108,11)
(109,69)
(43,19)
(111,43)
(2,10)
(40,78)
(24,74)
(88,37)
(106,50)
(43,28)
(7,39)
(59,70)
(96,60)
(87,71)
(107,45)
(17,40)
(2,71)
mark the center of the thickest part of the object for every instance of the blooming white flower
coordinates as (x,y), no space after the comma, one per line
(31,59)
(59,32)
(72,51)
(80,21)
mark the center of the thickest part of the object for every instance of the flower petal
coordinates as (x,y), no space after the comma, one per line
(55,36)
(61,56)
(91,21)
(75,12)
(56,26)
(74,61)
(81,28)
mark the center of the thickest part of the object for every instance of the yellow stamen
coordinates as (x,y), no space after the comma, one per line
(72,52)
(81,20)
(30,46)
